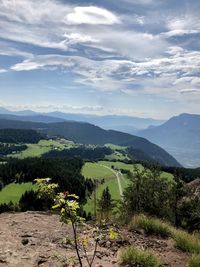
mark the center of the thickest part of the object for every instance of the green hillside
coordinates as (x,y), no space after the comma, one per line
(86,133)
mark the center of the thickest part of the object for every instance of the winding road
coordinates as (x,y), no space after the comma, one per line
(119,176)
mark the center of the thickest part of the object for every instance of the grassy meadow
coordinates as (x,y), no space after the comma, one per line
(13,192)
(42,147)
(119,152)
(103,170)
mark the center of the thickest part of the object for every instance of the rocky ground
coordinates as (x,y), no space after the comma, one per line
(38,239)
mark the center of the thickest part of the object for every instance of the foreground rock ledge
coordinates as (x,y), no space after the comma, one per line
(36,239)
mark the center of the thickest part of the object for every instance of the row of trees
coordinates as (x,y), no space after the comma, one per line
(84,152)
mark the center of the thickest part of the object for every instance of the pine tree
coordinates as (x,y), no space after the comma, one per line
(105,205)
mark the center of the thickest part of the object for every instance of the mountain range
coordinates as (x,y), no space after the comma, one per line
(126,124)
(180,136)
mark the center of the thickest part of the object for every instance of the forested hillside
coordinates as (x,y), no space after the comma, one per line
(19,136)
(65,172)
(86,133)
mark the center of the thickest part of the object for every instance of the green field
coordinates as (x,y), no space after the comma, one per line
(130,167)
(43,146)
(120,165)
(116,147)
(119,152)
(96,171)
(13,192)
(99,171)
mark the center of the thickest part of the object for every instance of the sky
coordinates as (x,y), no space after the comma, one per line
(123,57)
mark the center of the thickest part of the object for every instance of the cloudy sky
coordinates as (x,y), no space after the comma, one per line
(127,57)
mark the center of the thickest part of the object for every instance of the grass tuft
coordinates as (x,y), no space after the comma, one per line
(151,226)
(133,256)
(195,261)
(186,242)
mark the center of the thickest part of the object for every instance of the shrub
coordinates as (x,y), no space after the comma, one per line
(151,226)
(195,261)
(133,256)
(186,242)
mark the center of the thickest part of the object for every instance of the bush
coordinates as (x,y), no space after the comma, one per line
(195,261)
(133,256)
(151,226)
(186,242)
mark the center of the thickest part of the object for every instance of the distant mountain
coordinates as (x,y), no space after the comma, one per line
(126,124)
(32,118)
(4,111)
(180,136)
(86,133)
(17,113)
(24,113)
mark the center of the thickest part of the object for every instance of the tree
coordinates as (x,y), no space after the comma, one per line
(178,193)
(148,192)
(105,205)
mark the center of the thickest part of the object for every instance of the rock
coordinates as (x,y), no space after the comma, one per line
(42,260)
(26,235)
(25,241)
(3,260)
(108,244)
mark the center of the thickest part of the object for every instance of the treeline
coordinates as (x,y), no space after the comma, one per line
(6,149)
(64,171)
(186,174)
(137,155)
(86,153)
(149,192)
(17,136)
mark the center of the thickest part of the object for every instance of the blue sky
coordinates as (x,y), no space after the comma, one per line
(126,57)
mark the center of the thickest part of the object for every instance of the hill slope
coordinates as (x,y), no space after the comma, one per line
(86,133)
(180,136)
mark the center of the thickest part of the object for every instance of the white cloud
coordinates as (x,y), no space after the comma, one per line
(37,23)
(91,15)
(124,52)
(7,50)
(74,38)
(165,76)
(183,25)
(189,91)
(190,79)
(34,11)
(3,70)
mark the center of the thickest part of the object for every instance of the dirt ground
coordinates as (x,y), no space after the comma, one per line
(38,239)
